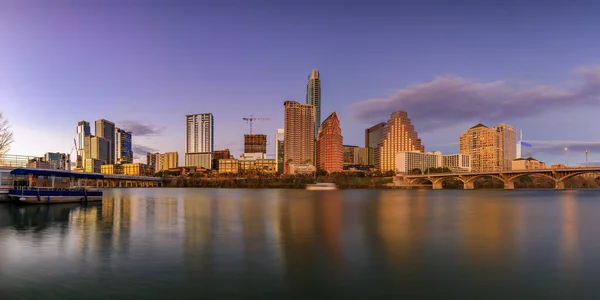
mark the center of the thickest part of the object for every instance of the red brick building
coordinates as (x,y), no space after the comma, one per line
(330,152)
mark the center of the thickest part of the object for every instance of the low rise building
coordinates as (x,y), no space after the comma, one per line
(294,169)
(111,169)
(457,162)
(199,160)
(407,161)
(40,163)
(529,163)
(137,169)
(228,165)
(92,165)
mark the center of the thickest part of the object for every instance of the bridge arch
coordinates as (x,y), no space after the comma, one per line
(471,179)
(576,173)
(513,178)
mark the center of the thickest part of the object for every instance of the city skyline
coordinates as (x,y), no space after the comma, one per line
(528,76)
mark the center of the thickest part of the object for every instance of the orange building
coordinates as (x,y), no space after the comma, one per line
(299,134)
(399,135)
(330,151)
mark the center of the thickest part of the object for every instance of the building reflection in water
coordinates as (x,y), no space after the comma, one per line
(489,230)
(569,241)
(401,224)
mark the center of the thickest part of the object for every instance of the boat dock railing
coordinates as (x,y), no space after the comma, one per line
(35,188)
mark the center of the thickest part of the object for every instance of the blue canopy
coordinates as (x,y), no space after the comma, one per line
(43,172)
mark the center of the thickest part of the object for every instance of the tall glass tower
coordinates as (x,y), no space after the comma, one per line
(313,97)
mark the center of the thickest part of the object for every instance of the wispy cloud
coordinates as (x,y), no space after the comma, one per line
(558,147)
(140,129)
(448,99)
(140,151)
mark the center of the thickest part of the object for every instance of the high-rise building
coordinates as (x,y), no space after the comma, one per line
(95,148)
(313,97)
(83,130)
(491,149)
(199,133)
(199,143)
(124,151)
(106,129)
(373,136)
(279,153)
(299,139)
(330,145)
(255,143)
(508,144)
(398,135)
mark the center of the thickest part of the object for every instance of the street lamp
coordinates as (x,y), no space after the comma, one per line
(586,157)
(567,155)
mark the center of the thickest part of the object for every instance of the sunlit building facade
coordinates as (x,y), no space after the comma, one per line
(330,145)
(83,130)
(299,139)
(398,135)
(137,169)
(106,130)
(508,144)
(490,149)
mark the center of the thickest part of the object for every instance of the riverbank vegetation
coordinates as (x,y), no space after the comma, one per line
(344,180)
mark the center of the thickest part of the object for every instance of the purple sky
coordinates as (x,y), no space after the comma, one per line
(146,64)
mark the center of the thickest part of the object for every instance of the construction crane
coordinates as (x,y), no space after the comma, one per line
(251,118)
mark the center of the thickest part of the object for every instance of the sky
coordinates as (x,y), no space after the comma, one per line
(450,64)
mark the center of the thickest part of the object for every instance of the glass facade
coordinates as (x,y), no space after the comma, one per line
(124,151)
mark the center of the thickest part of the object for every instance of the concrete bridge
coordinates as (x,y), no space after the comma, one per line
(507,177)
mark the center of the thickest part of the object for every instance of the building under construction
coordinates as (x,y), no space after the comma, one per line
(255,143)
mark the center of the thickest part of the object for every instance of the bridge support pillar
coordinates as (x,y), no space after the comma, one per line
(437,184)
(560,185)
(509,185)
(470,185)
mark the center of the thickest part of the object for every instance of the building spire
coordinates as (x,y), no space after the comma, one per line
(521,135)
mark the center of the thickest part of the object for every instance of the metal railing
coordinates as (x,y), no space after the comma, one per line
(24,161)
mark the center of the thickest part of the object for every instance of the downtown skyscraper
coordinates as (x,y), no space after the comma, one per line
(199,142)
(106,129)
(299,139)
(313,97)
(123,147)
(398,135)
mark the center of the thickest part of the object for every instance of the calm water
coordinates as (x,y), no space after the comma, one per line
(296,244)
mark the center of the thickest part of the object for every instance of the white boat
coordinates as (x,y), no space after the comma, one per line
(322,186)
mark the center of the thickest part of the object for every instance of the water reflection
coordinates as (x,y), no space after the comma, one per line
(341,243)
(569,242)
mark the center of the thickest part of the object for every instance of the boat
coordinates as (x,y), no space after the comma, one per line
(40,186)
(321,186)
(5,183)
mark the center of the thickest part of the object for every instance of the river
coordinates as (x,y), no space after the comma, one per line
(294,244)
